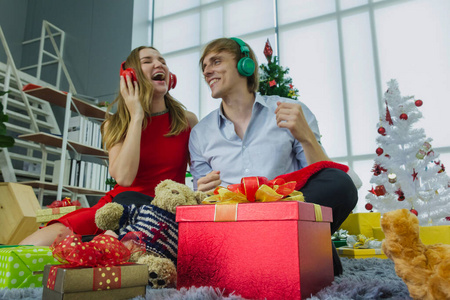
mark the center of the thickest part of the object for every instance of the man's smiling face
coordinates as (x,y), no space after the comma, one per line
(221,74)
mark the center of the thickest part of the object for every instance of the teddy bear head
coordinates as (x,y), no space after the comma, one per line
(170,194)
(401,230)
(400,222)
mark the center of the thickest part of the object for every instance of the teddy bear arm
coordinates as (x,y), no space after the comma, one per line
(108,216)
(200,196)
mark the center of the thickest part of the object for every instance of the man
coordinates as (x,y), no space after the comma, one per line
(254,135)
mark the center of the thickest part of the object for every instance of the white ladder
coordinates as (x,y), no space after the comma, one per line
(28,114)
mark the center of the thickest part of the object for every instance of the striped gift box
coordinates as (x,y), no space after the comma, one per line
(48,214)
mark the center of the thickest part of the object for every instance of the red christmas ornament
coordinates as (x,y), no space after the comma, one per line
(379,151)
(272,83)
(387,155)
(414,211)
(414,174)
(380,190)
(382,131)
(447,218)
(442,166)
(388,115)
(372,191)
(377,169)
(404,116)
(268,51)
(418,103)
(369,206)
(401,195)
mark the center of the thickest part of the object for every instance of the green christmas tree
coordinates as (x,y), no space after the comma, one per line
(273,79)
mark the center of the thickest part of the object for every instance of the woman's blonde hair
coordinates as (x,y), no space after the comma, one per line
(118,122)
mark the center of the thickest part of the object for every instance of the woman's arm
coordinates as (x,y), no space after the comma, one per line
(192,119)
(124,156)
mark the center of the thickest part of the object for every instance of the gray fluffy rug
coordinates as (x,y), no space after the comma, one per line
(370,278)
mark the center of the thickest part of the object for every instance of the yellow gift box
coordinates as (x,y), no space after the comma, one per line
(428,234)
(435,234)
(360,253)
(362,223)
(378,233)
(48,214)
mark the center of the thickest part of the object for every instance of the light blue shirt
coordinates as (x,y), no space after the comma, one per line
(266,149)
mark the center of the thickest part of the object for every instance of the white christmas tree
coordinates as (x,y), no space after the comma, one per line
(407,172)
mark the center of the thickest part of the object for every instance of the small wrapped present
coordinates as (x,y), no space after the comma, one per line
(23,266)
(359,246)
(96,269)
(339,238)
(48,214)
(362,242)
(360,253)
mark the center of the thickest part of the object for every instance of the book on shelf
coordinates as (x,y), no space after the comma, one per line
(84,131)
(82,174)
(76,129)
(57,169)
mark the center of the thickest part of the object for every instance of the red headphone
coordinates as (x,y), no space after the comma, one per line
(132,74)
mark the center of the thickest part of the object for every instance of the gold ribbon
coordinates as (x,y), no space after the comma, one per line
(263,194)
(318,213)
(225,213)
(362,240)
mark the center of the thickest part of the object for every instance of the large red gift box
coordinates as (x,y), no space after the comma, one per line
(272,250)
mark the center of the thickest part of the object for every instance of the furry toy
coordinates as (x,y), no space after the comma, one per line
(157,223)
(424,268)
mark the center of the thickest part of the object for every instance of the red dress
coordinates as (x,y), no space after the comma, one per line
(161,158)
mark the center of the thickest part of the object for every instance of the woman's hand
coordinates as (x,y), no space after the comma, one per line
(130,93)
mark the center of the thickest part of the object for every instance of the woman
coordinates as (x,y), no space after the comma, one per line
(147,141)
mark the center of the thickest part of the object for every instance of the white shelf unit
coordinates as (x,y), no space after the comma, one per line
(71,104)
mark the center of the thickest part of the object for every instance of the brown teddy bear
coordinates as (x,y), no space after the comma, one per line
(424,268)
(157,223)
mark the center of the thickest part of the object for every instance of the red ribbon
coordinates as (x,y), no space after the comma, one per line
(65,202)
(249,186)
(103,278)
(104,253)
(282,184)
(103,250)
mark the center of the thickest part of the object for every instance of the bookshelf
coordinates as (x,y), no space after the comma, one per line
(71,104)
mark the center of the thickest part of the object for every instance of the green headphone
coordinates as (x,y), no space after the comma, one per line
(246,65)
